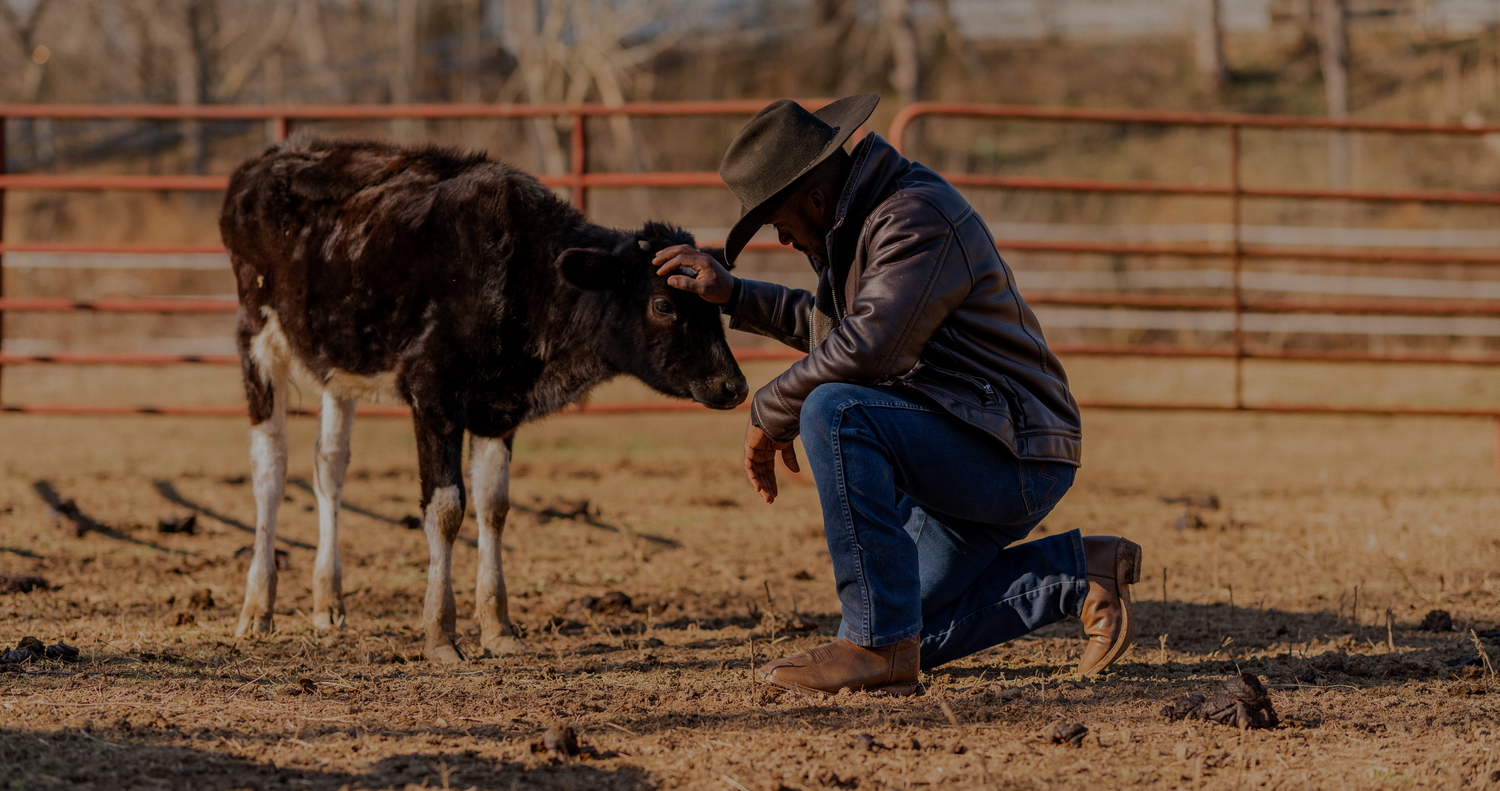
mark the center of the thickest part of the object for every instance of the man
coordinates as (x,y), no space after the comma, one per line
(938,426)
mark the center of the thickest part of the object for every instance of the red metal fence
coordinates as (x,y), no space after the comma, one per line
(579,180)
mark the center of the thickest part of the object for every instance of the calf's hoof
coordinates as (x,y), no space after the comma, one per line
(443,653)
(253,623)
(504,645)
(329,618)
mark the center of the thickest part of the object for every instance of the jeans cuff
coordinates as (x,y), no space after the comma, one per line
(879,640)
(1081,567)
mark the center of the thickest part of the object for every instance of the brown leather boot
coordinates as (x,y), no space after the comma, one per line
(886,670)
(1114,564)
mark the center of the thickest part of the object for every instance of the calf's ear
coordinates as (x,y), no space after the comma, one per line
(590,269)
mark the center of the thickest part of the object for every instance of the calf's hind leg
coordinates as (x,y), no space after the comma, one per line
(268,476)
(330,462)
(440,457)
(489,461)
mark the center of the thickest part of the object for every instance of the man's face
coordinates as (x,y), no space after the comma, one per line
(803,222)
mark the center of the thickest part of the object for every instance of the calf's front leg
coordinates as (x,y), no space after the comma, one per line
(440,457)
(330,462)
(489,462)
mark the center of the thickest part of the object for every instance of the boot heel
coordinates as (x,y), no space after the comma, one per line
(1128,563)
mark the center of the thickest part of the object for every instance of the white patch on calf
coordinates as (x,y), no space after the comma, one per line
(381,387)
(273,357)
(269,349)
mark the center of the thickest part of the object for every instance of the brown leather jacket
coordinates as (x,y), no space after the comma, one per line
(917,296)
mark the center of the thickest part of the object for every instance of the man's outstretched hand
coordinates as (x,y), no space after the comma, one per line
(760,461)
(713,281)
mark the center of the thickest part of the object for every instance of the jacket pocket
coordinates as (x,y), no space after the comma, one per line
(981,388)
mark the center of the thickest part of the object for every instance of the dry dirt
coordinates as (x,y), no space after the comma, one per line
(1332,539)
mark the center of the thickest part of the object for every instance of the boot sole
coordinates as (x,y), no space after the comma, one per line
(890,690)
(1127,573)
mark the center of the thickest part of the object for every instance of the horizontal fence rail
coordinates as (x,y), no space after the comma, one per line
(1243,311)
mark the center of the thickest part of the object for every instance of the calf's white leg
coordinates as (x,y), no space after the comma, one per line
(441,520)
(330,462)
(268,476)
(489,460)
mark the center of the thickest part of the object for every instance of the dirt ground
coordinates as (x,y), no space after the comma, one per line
(1332,539)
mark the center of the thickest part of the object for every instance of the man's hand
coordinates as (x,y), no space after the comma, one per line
(713,283)
(760,461)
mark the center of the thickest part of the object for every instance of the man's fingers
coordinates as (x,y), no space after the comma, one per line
(668,253)
(686,283)
(789,458)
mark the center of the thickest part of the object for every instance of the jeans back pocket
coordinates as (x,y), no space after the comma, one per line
(1043,484)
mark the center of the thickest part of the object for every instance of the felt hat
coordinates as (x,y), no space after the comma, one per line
(780,145)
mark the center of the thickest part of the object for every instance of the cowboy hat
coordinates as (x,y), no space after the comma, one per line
(780,145)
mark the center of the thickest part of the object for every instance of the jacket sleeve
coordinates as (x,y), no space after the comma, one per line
(912,281)
(772,310)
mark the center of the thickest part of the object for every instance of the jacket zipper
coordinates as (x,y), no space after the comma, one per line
(983,385)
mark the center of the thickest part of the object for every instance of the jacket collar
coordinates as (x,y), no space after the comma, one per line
(877,169)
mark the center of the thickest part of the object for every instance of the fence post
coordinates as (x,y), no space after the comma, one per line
(1237,260)
(580,162)
(280,128)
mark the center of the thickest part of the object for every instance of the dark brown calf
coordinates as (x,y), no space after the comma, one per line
(463,288)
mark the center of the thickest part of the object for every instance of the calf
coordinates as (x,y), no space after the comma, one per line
(463,288)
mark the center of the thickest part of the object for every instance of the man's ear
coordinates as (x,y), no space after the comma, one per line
(717,253)
(590,269)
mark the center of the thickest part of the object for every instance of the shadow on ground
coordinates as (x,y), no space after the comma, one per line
(80,759)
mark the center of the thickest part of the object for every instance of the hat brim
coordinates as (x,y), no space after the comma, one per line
(845,116)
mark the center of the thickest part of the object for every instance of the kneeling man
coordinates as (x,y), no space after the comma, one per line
(938,426)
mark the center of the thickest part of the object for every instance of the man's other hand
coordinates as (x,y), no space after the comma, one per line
(713,281)
(760,461)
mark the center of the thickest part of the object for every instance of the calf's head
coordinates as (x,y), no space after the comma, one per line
(670,339)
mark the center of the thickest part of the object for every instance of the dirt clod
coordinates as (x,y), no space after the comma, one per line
(1205,500)
(178,524)
(1071,733)
(31,648)
(576,510)
(1189,521)
(411,522)
(612,603)
(797,623)
(1437,621)
(21,583)
(558,741)
(1240,701)
(202,600)
(865,741)
(181,619)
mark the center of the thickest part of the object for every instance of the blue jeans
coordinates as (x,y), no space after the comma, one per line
(921,511)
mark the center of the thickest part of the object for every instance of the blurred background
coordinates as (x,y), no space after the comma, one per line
(1110,271)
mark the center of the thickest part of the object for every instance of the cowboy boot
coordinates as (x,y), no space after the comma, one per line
(886,670)
(1113,565)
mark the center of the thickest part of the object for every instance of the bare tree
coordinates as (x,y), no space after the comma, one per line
(569,51)
(1333,42)
(905,77)
(1208,44)
(23,30)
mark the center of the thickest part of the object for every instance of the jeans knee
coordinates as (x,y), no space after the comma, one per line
(823,404)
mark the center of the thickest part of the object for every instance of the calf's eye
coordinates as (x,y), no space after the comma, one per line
(663,307)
